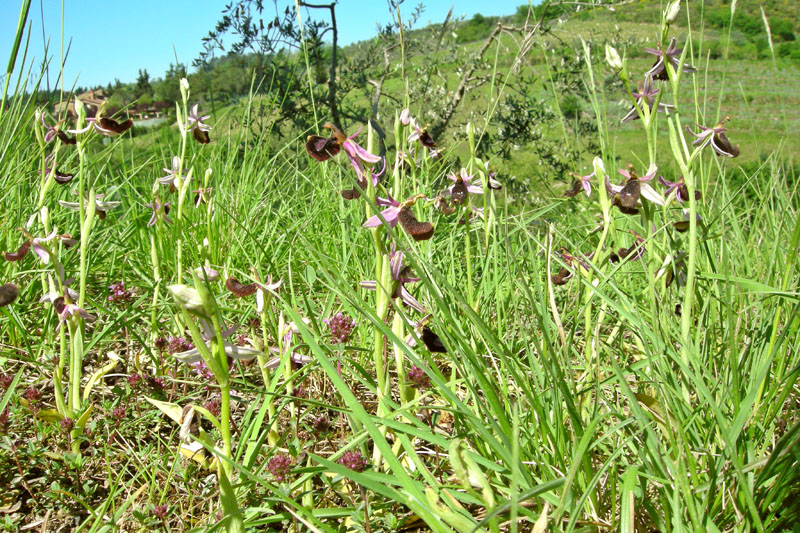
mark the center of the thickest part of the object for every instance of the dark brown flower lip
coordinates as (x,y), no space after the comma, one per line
(239,289)
(426,140)
(723,142)
(681,226)
(576,188)
(459,192)
(432,341)
(112,125)
(64,138)
(322,148)
(59,304)
(62,177)
(419,231)
(201,136)
(8,293)
(20,253)
(350,194)
(628,197)
(562,277)
(440,203)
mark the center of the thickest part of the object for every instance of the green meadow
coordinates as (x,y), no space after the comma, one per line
(476,302)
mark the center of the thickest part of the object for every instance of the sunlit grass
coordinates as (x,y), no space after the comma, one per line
(584,407)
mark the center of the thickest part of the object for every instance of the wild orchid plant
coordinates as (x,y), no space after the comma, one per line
(637,194)
(416,149)
(73,407)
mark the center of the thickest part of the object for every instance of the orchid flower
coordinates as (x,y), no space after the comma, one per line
(288,333)
(105,126)
(625,197)
(682,225)
(355,192)
(400,276)
(431,340)
(323,148)
(196,125)
(679,188)
(672,55)
(421,135)
(160,212)
(231,350)
(196,121)
(52,296)
(100,206)
(633,253)
(463,187)
(39,249)
(202,195)
(646,96)
(240,290)
(491,178)
(50,170)
(564,275)
(171,178)
(68,311)
(719,142)
(584,182)
(54,131)
(401,212)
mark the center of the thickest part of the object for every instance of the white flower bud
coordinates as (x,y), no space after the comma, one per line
(672,11)
(188,298)
(204,272)
(612,58)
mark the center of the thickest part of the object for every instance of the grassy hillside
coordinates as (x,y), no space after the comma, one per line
(262,331)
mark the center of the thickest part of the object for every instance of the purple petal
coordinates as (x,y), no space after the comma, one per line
(355,151)
(410,300)
(390,215)
(369,285)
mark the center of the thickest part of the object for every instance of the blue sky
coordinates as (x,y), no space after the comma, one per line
(114,39)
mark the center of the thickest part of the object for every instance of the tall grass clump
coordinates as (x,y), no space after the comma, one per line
(201,329)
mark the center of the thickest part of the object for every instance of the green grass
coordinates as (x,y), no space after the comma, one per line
(616,401)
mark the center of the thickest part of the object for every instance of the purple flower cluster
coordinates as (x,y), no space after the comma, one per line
(33,395)
(136,380)
(178,345)
(354,461)
(119,294)
(203,371)
(214,405)
(341,327)
(321,425)
(280,465)
(418,378)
